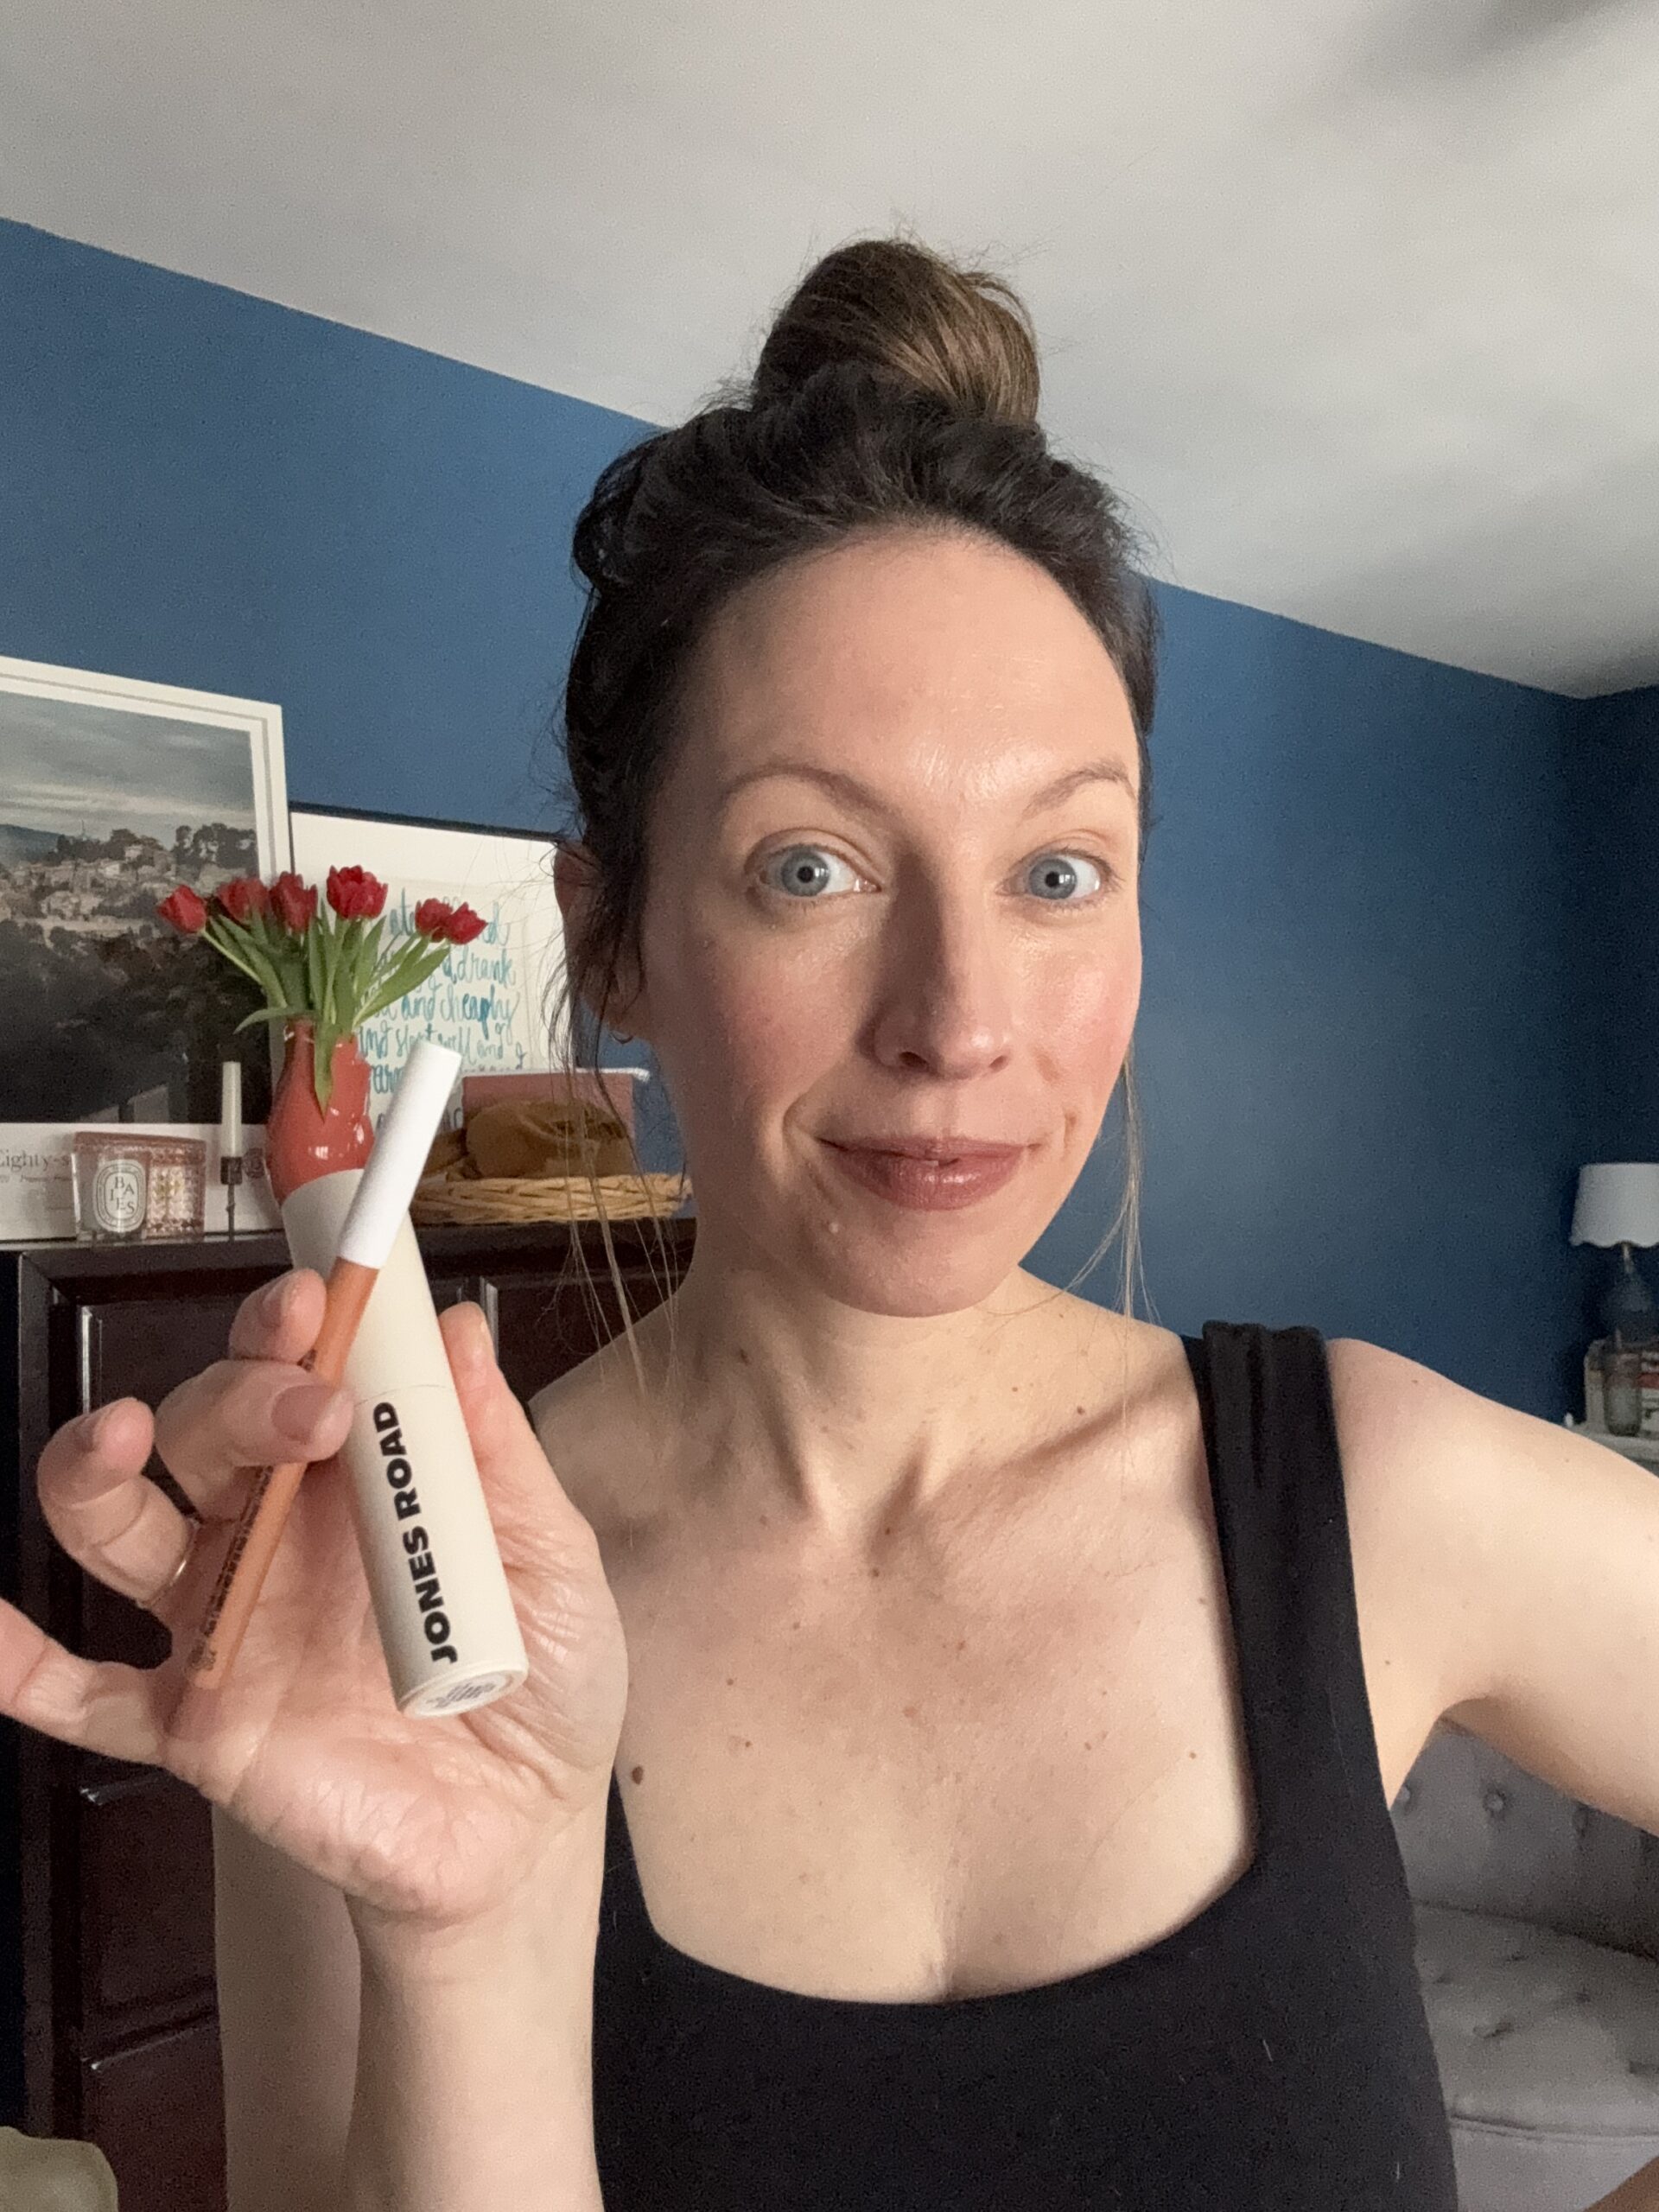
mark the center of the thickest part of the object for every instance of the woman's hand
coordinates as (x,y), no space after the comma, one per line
(428,1824)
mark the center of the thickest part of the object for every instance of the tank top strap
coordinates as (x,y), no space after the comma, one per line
(628,1950)
(1276,1471)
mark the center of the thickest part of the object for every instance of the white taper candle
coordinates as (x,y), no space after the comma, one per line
(230,1109)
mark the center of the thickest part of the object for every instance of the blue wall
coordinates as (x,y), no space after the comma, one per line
(1368,900)
(1613,806)
(201,488)
(1613,830)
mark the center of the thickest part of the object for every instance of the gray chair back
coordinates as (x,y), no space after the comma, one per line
(1480,1833)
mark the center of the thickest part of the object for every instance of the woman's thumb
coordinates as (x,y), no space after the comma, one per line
(516,1473)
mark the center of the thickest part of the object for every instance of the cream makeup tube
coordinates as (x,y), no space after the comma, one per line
(440,1597)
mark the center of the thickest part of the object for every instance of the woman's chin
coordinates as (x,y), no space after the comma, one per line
(875,1275)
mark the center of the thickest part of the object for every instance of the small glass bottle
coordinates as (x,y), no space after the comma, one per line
(1595,1383)
(1622,1386)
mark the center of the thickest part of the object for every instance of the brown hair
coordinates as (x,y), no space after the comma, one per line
(895,389)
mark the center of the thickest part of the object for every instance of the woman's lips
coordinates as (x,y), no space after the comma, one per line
(927,1185)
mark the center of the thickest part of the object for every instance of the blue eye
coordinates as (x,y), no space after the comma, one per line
(1057,874)
(805,867)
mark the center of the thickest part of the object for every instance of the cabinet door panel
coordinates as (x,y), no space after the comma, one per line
(156,2110)
(143,1347)
(146,1898)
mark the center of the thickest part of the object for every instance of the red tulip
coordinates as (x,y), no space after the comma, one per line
(243,897)
(464,925)
(432,917)
(436,918)
(184,910)
(294,902)
(354,894)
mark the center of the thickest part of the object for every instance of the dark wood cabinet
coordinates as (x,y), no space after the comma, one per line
(106,1891)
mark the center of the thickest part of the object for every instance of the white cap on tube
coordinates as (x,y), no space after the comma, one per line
(401,1145)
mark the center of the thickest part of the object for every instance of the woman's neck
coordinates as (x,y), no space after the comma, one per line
(840,1422)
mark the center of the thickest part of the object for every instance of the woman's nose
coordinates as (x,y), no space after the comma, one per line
(947,998)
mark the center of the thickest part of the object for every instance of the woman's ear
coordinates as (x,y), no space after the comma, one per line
(576,884)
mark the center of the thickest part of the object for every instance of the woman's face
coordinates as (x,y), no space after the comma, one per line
(892,895)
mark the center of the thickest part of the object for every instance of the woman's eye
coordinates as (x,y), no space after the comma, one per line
(1053,876)
(799,871)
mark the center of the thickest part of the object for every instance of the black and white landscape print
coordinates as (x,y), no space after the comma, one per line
(104,1011)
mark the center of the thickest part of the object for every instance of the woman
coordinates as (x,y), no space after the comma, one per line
(955,1767)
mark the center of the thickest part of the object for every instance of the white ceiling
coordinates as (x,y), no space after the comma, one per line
(1356,301)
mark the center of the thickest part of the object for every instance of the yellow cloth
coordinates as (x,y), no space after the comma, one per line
(534,1138)
(41,2173)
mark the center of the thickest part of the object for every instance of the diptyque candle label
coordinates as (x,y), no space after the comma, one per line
(406,1503)
(119,1191)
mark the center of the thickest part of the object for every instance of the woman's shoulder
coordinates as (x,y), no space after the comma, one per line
(592,1421)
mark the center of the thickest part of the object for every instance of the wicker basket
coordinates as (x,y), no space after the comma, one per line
(546,1198)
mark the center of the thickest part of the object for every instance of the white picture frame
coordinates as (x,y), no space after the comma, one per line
(491,999)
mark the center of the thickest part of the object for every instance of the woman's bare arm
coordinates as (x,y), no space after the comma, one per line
(287,1960)
(371,2070)
(475,2065)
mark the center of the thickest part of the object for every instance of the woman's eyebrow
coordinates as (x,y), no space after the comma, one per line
(859,794)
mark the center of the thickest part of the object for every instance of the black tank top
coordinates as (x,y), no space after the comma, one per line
(1271,2053)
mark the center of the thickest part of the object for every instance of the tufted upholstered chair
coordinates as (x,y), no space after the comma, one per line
(1538,1951)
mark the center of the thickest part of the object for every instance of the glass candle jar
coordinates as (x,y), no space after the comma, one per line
(111,1186)
(129,1186)
(178,1186)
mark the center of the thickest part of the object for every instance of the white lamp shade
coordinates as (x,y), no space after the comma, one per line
(1618,1203)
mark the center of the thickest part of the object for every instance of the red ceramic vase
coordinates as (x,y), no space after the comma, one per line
(303,1140)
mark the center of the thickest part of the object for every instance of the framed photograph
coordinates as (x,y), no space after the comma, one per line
(493,998)
(112,791)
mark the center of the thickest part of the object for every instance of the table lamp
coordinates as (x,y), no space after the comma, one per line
(1618,1204)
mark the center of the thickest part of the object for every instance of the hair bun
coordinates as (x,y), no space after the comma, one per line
(961,334)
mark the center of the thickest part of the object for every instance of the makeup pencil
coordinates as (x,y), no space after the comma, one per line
(379,1205)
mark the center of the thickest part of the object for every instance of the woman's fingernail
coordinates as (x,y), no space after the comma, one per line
(274,1297)
(94,1424)
(480,1347)
(297,1412)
